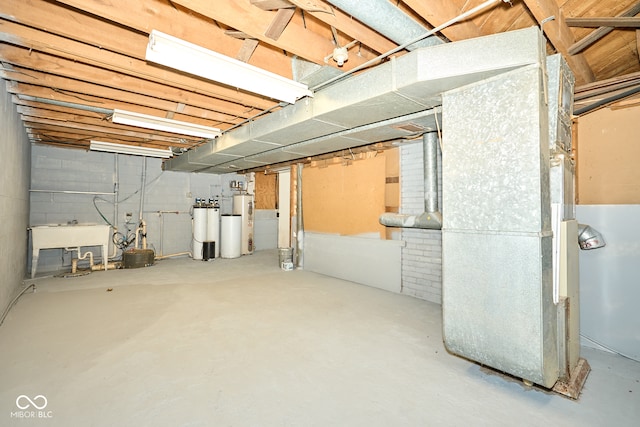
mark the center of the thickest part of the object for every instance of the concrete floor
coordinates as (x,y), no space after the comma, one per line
(242,343)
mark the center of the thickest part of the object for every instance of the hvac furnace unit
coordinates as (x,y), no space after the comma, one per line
(509,238)
(243,206)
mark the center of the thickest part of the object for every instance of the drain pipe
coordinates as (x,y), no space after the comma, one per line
(299,221)
(431,218)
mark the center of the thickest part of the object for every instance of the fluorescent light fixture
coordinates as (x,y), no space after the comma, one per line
(174,53)
(130,149)
(158,123)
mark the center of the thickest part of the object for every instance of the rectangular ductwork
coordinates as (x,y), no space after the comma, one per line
(404,86)
(498,306)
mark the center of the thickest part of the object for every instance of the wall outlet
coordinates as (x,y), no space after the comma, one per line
(189,195)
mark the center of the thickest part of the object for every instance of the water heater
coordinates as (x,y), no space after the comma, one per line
(243,206)
(199,230)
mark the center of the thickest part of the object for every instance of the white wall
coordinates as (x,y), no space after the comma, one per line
(422,254)
(265,233)
(168,232)
(14,199)
(610,279)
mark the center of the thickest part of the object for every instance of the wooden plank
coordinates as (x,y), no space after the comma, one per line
(345,24)
(296,40)
(147,15)
(70,90)
(272,4)
(30,114)
(78,77)
(48,93)
(60,134)
(437,12)
(247,49)
(266,190)
(560,37)
(313,6)
(617,22)
(89,129)
(227,99)
(601,32)
(279,23)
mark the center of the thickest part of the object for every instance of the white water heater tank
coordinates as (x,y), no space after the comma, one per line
(199,230)
(213,228)
(230,236)
(243,205)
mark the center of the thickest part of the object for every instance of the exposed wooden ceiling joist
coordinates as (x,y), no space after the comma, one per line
(600,32)
(560,36)
(88,54)
(614,22)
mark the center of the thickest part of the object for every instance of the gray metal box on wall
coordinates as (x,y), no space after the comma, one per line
(497,252)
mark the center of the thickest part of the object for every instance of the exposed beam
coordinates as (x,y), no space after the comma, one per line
(20,90)
(68,68)
(69,90)
(279,23)
(81,78)
(437,12)
(30,114)
(272,4)
(89,129)
(345,24)
(253,21)
(247,49)
(616,22)
(147,15)
(560,36)
(32,38)
(601,32)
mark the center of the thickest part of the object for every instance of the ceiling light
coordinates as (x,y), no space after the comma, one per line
(168,125)
(172,52)
(130,149)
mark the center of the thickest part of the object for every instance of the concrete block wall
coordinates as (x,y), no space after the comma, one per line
(168,197)
(14,199)
(422,254)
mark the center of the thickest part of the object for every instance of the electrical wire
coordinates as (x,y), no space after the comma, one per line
(6,311)
(98,209)
(626,356)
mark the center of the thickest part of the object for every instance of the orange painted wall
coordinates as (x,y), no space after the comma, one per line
(346,197)
(608,156)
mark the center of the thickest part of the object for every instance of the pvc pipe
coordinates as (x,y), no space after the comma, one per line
(116,190)
(173,255)
(142,185)
(95,193)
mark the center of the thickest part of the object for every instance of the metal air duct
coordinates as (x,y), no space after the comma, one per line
(347,113)
(388,20)
(431,217)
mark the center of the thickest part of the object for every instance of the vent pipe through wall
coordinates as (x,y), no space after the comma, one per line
(431,218)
